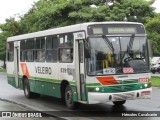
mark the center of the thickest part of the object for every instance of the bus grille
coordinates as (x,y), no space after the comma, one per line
(119,88)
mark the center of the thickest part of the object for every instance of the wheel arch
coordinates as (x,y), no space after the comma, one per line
(63,86)
(23,78)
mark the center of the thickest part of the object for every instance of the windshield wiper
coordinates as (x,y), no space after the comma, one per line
(108,42)
(130,45)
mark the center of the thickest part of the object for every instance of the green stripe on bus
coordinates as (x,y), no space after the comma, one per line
(43,79)
(93,84)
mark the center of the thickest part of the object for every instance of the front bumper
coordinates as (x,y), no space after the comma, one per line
(95,97)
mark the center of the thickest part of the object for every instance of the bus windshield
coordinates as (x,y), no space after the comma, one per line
(118,55)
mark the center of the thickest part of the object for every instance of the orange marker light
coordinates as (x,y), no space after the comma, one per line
(90,89)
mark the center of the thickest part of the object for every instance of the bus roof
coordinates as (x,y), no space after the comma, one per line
(65,29)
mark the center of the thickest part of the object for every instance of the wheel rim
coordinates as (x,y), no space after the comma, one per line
(26,88)
(69,97)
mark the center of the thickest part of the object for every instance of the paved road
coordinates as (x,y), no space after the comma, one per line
(46,103)
(156,74)
(6,108)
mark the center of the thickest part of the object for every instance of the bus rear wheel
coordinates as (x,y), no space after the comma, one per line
(28,94)
(119,103)
(69,98)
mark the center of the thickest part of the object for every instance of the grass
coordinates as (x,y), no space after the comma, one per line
(2,70)
(155,81)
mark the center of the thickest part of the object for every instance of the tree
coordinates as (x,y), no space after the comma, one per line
(12,27)
(46,14)
(3,37)
(153,31)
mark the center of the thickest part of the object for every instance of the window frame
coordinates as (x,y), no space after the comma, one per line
(66,45)
(53,48)
(30,49)
(23,50)
(10,52)
(40,49)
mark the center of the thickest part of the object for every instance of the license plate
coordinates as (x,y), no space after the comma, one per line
(142,80)
(145,93)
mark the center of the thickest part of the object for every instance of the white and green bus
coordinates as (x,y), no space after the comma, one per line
(88,63)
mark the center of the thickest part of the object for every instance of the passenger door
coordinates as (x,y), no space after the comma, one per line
(80,69)
(16,62)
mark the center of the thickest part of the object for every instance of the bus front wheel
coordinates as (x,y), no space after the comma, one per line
(28,94)
(119,103)
(69,98)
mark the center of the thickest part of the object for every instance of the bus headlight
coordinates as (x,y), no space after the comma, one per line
(97,89)
(145,85)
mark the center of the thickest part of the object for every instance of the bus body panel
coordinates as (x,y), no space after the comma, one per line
(129,83)
(95,98)
(45,78)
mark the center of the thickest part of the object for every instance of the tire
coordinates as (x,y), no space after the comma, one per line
(153,72)
(28,94)
(119,103)
(69,98)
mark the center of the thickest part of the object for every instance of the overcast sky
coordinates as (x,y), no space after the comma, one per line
(14,8)
(157,5)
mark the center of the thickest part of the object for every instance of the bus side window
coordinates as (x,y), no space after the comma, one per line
(51,49)
(22,51)
(30,50)
(40,50)
(66,55)
(10,51)
(66,48)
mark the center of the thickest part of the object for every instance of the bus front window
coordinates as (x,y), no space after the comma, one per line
(117,55)
(101,56)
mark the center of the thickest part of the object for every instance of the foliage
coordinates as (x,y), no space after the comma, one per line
(3,37)
(47,14)
(153,30)
(2,70)
(12,27)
